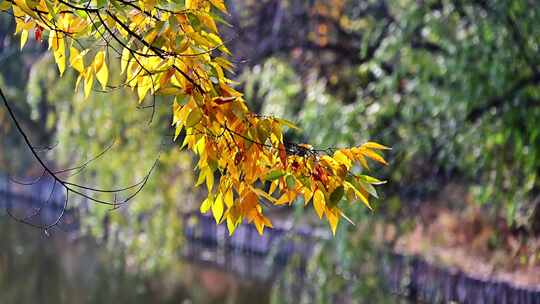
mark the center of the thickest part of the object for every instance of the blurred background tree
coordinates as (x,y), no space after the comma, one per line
(452,83)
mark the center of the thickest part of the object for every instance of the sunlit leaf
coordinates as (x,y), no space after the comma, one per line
(319,203)
(333,219)
(376,146)
(103,76)
(24,38)
(217,208)
(229,198)
(206,205)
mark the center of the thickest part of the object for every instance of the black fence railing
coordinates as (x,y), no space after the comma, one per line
(417,279)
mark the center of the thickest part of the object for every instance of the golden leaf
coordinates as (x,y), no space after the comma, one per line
(24,38)
(59,52)
(76,59)
(371,154)
(229,198)
(217,208)
(376,146)
(206,205)
(319,202)
(103,76)
(88,82)
(333,218)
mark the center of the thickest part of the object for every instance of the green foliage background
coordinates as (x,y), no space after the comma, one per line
(451,85)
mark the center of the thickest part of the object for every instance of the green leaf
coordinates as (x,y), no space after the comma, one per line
(291,182)
(274,175)
(336,196)
(101,3)
(369,188)
(371,180)
(306,181)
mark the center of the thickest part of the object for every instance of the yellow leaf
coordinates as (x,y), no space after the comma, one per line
(308,194)
(259,225)
(23,6)
(149,5)
(88,82)
(217,208)
(319,202)
(98,60)
(60,53)
(102,71)
(81,76)
(273,186)
(363,198)
(329,161)
(151,36)
(229,198)
(124,60)
(76,59)
(341,158)
(333,218)
(264,194)
(170,91)
(194,117)
(373,155)
(284,199)
(199,147)
(24,38)
(231,224)
(186,141)
(143,86)
(376,146)
(201,179)
(363,162)
(206,204)
(260,222)
(224,63)
(219,4)
(103,76)
(209,22)
(209,179)
(267,222)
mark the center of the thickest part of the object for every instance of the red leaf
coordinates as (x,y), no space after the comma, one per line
(38,32)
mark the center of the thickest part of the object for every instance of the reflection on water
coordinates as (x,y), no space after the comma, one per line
(35,268)
(39,269)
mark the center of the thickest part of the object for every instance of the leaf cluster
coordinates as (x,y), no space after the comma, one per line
(173,48)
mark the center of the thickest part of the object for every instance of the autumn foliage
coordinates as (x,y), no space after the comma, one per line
(173,48)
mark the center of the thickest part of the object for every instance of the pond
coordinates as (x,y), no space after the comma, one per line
(61,268)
